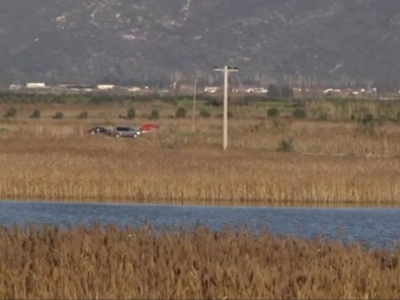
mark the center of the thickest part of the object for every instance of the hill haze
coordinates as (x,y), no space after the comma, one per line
(90,41)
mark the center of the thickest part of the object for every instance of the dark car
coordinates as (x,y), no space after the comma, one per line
(99,130)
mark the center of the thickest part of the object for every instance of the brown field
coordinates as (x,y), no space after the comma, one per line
(332,162)
(113,263)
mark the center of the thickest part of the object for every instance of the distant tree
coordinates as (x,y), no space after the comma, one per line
(36,114)
(155,114)
(368,118)
(286,92)
(214,102)
(181,112)
(131,113)
(286,146)
(273,112)
(299,113)
(273,91)
(58,115)
(11,113)
(83,115)
(205,113)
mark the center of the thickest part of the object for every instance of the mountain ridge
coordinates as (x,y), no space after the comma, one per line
(109,40)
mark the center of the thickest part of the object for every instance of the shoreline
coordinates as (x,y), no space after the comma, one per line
(189,203)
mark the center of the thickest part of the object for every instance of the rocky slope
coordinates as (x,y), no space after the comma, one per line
(114,40)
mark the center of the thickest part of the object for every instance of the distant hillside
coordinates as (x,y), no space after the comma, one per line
(90,41)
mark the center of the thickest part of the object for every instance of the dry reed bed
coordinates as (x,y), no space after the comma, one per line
(113,263)
(245,134)
(137,170)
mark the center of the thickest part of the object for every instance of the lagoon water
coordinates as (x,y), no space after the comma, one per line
(374,226)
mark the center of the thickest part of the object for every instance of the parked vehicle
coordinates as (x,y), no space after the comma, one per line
(148,128)
(99,130)
(125,131)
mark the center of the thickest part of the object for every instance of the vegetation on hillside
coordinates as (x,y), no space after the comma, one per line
(338,50)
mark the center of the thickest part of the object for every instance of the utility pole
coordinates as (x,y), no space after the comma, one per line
(194,103)
(226,70)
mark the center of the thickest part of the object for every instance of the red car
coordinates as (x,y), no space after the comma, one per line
(148,127)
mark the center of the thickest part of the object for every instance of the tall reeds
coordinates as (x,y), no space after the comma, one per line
(113,263)
(100,169)
(332,162)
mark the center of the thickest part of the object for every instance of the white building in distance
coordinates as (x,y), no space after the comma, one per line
(104,87)
(35,85)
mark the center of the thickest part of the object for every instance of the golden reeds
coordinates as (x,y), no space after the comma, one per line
(103,169)
(113,263)
(330,163)
(244,134)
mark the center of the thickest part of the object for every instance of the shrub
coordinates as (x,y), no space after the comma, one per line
(181,112)
(368,118)
(83,115)
(155,114)
(205,113)
(58,115)
(4,130)
(323,116)
(369,123)
(382,119)
(11,113)
(286,146)
(131,113)
(36,114)
(230,115)
(278,123)
(273,91)
(299,113)
(273,112)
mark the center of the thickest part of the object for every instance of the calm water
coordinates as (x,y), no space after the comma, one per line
(375,226)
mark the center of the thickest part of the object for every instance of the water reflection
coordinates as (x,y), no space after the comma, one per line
(377,226)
